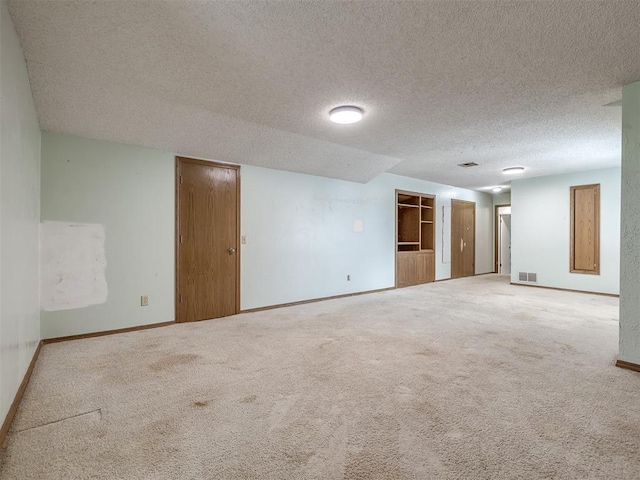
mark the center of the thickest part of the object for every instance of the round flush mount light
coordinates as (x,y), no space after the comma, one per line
(346,114)
(496,189)
(512,170)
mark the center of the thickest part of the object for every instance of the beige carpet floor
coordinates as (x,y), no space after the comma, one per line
(466,379)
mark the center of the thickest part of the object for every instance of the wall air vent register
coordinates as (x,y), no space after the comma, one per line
(527,277)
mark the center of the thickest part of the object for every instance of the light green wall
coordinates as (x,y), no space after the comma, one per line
(501,198)
(129,190)
(540,233)
(299,230)
(19,216)
(300,239)
(630,234)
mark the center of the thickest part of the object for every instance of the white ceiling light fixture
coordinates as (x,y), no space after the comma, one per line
(496,189)
(512,170)
(346,114)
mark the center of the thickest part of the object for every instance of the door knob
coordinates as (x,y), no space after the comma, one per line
(231,251)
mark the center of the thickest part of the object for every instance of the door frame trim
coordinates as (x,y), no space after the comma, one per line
(495,235)
(209,163)
(572,226)
(455,200)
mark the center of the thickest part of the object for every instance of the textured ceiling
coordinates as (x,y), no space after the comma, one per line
(500,83)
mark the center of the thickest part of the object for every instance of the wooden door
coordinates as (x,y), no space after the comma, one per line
(207,223)
(463,234)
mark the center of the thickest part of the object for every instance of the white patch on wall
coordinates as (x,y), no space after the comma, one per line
(72,265)
(446,234)
(358,226)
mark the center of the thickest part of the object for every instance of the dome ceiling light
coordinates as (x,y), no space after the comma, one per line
(346,114)
(512,170)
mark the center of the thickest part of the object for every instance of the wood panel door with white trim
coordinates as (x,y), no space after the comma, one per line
(207,223)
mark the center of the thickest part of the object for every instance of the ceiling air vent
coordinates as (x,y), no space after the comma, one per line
(468,164)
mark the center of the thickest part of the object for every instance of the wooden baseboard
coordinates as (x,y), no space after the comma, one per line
(27,376)
(313,300)
(106,332)
(6,425)
(458,278)
(614,295)
(445,279)
(628,365)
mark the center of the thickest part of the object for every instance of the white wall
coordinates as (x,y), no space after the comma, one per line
(300,239)
(630,270)
(501,198)
(444,195)
(19,216)
(540,230)
(299,230)
(130,191)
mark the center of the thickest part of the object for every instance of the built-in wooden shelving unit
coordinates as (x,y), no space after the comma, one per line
(415,241)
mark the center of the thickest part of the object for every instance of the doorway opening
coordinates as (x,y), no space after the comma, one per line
(502,239)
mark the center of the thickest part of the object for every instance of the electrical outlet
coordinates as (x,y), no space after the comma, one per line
(348,278)
(144,300)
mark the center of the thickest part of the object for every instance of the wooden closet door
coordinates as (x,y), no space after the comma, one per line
(463,233)
(207,260)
